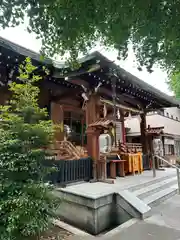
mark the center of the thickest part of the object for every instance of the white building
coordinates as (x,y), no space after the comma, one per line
(168,118)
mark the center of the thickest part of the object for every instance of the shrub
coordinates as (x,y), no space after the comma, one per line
(25,200)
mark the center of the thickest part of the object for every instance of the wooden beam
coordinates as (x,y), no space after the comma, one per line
(125,107)
(70,101)
(5,95)
(68,93)
(123,99)
(92,114)
(57,117)
(143,133)
(71,108)
(44,97)
(79,82)
(53,86)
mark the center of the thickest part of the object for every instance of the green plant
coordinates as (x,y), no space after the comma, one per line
(152,26)
(174,83)
(25,200)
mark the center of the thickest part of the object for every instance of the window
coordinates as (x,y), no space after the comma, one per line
(171,149)
(74,127)
(160,112)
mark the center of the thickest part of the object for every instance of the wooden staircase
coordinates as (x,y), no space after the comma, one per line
(67,151)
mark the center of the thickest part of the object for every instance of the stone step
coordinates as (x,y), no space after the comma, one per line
(131,204)
(160,196)
(149,183)
(156,187)
(138,204)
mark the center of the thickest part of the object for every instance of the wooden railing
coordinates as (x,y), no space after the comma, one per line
(64,150)
(82,151)
(68,150)
(128,147)
(71,149)
(134,146)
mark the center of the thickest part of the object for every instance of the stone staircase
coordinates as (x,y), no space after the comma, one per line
(139,200)
(106,205)
(156,191)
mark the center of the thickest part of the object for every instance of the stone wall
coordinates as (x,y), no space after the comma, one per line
(93,215)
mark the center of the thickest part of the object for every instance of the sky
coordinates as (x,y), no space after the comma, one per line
(157,79)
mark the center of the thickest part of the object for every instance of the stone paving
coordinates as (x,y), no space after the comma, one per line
(148,231)
(99,189)
(164,224)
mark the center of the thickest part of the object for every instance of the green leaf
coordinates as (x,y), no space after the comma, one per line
(74,27)
(25,200)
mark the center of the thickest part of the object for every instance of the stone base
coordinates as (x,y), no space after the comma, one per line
(93,215)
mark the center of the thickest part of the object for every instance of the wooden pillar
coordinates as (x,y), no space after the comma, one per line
(123,128)
(92,114)
(57,117)
(82,131)
(143,134)
(4,96)
(163,142)
(44,97)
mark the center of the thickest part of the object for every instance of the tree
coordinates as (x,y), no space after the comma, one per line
(25,200)
(151,26)
(174,84)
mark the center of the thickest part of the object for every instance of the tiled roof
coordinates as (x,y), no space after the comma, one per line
(103,123)
(22,50)
(155,130)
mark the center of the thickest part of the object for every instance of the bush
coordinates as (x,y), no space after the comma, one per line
(26,202)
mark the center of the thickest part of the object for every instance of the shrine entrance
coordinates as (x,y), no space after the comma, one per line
(74,128)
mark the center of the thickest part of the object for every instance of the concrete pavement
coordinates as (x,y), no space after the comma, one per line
(164,224)
(142,230)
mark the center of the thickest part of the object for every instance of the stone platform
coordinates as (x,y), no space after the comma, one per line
(96,207)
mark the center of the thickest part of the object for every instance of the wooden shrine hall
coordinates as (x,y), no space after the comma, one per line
(86,103)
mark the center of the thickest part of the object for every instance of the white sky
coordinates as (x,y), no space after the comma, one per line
(157,79)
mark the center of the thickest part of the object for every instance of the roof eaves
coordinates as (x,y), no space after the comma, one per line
(95,55)
(22,50)
(138,82)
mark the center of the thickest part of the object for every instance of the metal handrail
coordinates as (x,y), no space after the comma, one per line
(177,169)
(162,159)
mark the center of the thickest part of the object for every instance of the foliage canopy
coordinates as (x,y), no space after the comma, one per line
(152,26)
(174,83)
(25,200)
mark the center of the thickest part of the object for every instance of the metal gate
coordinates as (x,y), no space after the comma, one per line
(146,162)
